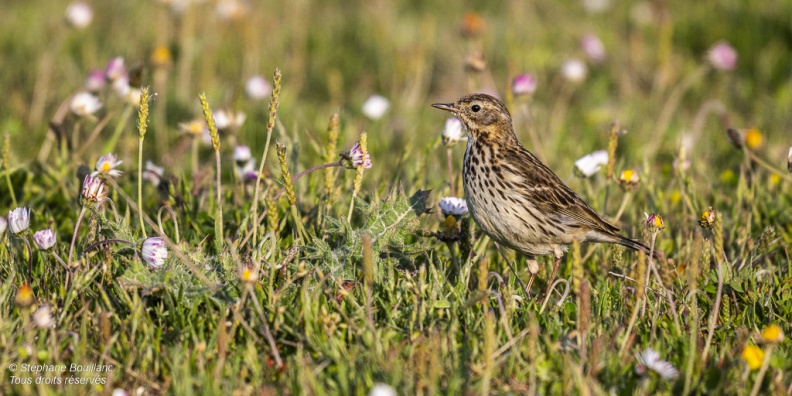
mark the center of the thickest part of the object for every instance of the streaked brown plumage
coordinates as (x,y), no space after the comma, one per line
(515,199)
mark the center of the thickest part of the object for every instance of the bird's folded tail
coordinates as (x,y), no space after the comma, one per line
(635,245)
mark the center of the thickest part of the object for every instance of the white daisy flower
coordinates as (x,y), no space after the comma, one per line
(381,389)
(228,119)
(258,88)
(453,132)
(154,252)
(42,317)
(453,206)
(106,166)
(590,164)
(649,359)
(574,70)
(375,107)
(79,14)
(19,220)
(84,104)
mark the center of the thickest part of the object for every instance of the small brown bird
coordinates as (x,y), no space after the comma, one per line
(516,199)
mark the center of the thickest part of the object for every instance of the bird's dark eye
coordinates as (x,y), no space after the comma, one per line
(475,108)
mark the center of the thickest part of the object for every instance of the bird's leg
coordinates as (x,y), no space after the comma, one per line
(511,267)
(558,254)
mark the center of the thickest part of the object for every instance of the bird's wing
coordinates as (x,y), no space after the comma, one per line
(548,193)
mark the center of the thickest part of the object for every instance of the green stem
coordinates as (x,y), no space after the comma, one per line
(74,236)
(219,217)
(140,185)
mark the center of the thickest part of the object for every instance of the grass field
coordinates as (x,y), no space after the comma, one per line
(293,268)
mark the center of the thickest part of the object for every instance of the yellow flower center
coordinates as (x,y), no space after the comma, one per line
(627,175)
(106,167)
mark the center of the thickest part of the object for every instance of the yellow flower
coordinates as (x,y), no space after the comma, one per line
(24,296)
(675,197)
(775,180)
(195,127)
(629,179)
(248,275)
(772,334)
(707,219)
(728,177)
(654,222)
(161,56)
(753,356)
(753,138)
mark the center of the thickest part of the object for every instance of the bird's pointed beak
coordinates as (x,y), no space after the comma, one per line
(446,106)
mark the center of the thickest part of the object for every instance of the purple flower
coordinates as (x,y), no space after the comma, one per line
(115,69)
(19,220)
(722,56)
(354,158)
(154,252)
(45,239)
(524,84)
(593,48)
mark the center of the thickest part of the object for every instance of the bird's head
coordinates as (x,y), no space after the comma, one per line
(484,116)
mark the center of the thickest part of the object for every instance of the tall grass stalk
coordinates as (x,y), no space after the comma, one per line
(215,135)
(273,109)
(142,126)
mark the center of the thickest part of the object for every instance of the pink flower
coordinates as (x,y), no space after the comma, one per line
(257,88)
(354,158)
(722,56)
(524,84)
(93,189)
(115,69)
(95,81)
(154,252)
(45,239)
(593,48)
